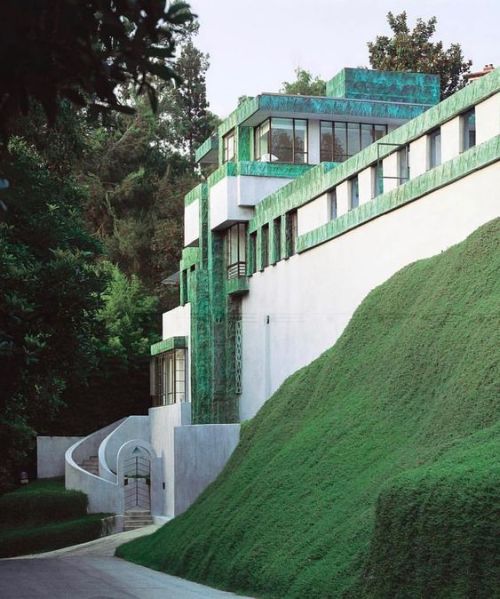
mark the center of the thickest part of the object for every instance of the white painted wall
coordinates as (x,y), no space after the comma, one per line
(342,198)
(191,223)
(451,140)
(311,297)
(201,452)
(365,182)
(177,322)
(134,427)
(252,190)
(163,421)
(418,156)
(50,455)
(488,119)
(391,169)
(314,214)
(224,207)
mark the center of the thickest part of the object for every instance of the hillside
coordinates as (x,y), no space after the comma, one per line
(373,471)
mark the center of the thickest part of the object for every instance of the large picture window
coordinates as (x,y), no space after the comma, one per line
(339,141)
(236,251)
(281,140)
(168,377)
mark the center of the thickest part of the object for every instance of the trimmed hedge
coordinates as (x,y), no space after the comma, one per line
(41,501)
(26,540)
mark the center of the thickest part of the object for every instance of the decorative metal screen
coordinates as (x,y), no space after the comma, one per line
(237,356)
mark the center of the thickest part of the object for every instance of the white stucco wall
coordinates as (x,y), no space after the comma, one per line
(311,297)
(418,156)
(451,140)
(309,215)
(50,455)
(163,421)
(224,207)
(252,190)
(201,452)
(191,223)
(488,119)
(177,322)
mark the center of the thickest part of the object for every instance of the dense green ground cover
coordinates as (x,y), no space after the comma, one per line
(372,471)
(43,516)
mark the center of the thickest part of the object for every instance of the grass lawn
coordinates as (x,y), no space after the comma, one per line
(372,472)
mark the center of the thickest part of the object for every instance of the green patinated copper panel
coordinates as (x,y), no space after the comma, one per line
(196,193)
(209,145)
(190,257)
(244,143)
(474,159)
(366,84)
(327,175)
(237,286)
(168,345)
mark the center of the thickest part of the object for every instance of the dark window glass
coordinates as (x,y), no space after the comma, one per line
(265,246)
(253,253)
(378,180)
(277,239)
(333,204)
(379,131)
(353,139)
(366,135)
(282,140)
(291,233)
(354,193)
(435,148)
(169,372)
(469,129)
(404,164)
(326,141)
(340,142)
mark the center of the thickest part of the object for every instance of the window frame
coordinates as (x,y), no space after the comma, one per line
(434,149)
(353,184)
(236,236)
(231,135)
(295,152)
(465,129)
(169,377)
(334,157)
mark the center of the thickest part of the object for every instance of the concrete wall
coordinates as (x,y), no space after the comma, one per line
(104,495)
(309,215)
(252,190)
(134,427)
(311,297)
(50,455)
(224,207)
(177,322)
(163,420)
(201,452)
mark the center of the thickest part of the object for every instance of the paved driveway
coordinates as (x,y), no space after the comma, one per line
(89,571)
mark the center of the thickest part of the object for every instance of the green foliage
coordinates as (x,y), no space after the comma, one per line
(304,85)
(414,51)
(40,502)
(49,289)
(387,434)
(66,50)
(28,539)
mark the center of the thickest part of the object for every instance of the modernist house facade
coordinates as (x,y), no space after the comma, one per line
(313,202)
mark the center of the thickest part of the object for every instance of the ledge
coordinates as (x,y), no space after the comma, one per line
(168,344)
(237,286)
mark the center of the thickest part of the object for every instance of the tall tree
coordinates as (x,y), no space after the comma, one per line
(49,293)
(193,121)
(304,85)
(413,50)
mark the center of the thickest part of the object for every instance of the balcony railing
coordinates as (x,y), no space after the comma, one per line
(238,269)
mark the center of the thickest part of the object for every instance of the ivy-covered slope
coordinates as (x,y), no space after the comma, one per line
(371,472)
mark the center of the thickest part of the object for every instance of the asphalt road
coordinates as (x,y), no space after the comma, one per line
(89,571)
(83,577)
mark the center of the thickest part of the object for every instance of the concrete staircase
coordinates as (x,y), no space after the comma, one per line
(136,518)
(91,465)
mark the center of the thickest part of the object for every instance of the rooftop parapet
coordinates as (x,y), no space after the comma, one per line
(387,86)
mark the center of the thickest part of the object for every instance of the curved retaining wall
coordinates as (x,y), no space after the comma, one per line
(103,494)
(133,427)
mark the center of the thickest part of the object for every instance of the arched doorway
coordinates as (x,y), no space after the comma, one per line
(137,479)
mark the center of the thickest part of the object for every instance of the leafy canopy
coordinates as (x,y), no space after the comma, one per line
(83,51)
(413,50)
(304,85)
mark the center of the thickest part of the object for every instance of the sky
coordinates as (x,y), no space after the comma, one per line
(256,45)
